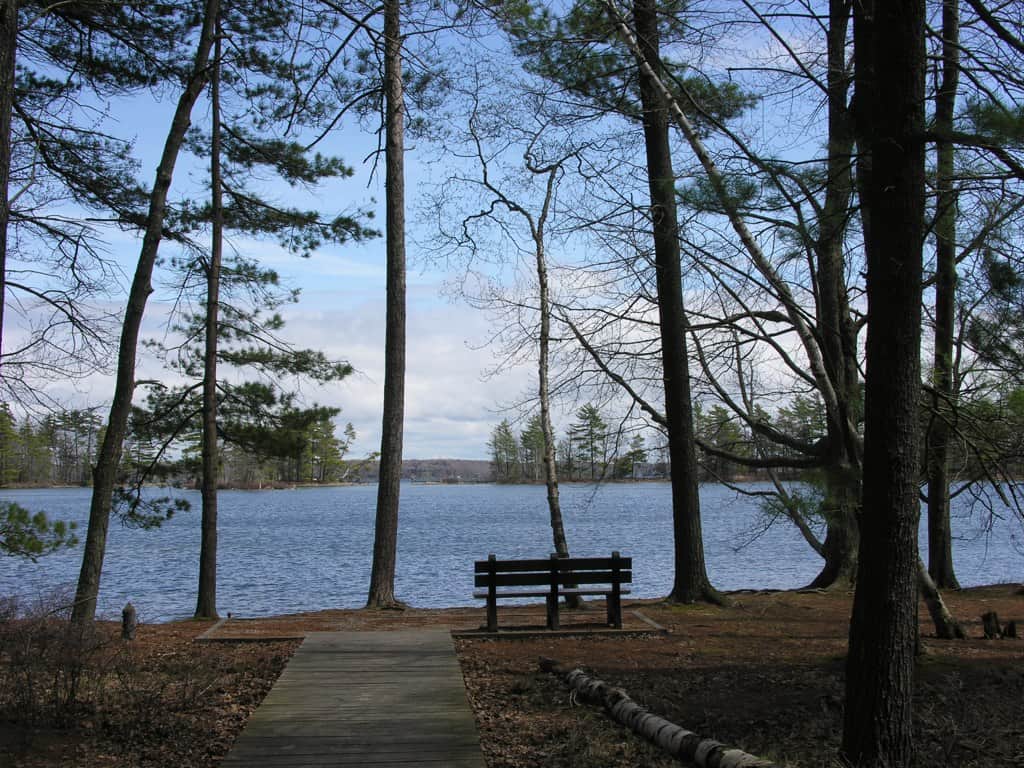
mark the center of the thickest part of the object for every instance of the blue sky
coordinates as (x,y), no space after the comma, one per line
(451,406)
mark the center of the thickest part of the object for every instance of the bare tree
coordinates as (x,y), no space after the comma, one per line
(494,131)
(59,152)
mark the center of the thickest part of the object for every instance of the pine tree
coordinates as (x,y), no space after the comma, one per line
(504,449)
(890,73)
(589,434)
(8,446)
(108,461)
(532,445)
(626,465)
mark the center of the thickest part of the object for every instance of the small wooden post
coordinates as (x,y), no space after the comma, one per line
(492,593)
(614,599)
(552,599)
(990,622)
(129,622)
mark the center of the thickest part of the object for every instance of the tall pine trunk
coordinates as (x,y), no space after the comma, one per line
(8,44)
(890,65)
(109,458)
(691,581)
(940,540)
(206,600)
(385,540)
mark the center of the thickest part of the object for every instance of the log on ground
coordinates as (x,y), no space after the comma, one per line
(674,739)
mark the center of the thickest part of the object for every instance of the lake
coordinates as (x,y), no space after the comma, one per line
(310,548)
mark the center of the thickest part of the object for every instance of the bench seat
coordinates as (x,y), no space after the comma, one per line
(553,578)
(481,594)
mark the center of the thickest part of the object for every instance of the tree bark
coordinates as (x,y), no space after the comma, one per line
(109,458)
(836,329)
(839,550)
(842,500)
(940,539)
(206,600)
(691,580)
(946,627)
(8,45)
(543,390)
(889,106)
(385,541)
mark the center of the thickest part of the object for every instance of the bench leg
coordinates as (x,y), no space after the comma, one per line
(614,610)
(492,615)
(552,605)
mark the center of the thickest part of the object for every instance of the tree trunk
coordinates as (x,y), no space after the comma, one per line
(946,627)
(836,329)
(385,541)
(650,79)
(8,44)
(842,533)
(691,581)
(543,392)
(206,600)
(109,458)
(890,64)
(839,551)
(940,543)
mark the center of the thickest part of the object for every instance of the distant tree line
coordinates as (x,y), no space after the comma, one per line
(60,448)
(57,449)
(990,431)
(589,450)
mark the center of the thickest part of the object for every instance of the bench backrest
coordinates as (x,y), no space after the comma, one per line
(553,571)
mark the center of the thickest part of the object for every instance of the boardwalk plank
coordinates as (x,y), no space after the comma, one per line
(380,699)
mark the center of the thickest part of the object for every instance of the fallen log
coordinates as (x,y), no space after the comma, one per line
(674,739)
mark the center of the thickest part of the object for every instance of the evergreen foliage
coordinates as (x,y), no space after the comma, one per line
(581,51)
(23,534)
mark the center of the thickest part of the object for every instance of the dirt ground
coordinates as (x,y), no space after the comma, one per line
(764,675)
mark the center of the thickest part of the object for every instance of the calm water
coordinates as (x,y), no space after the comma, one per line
(310,549)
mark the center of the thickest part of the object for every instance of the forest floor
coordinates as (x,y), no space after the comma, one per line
(764,674)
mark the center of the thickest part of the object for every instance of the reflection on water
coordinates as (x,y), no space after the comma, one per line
(310,549)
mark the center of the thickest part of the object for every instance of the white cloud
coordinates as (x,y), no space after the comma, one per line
(450,408)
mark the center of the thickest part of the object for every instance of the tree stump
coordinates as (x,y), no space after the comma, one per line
(129,622)
(990,622)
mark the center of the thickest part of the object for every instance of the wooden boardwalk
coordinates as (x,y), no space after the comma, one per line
(371,699)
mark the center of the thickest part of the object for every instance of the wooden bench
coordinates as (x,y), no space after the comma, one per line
(551,579)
